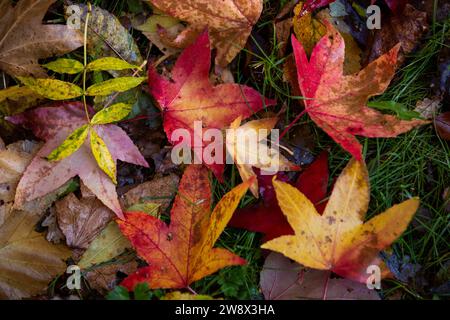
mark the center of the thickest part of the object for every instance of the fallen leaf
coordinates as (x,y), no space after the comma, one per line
(104,278)
(339,240)
(108,244)
(427,107)
(190,97)
(53,123)
(266,217)
(308,30)
(24,39)
(283,279)
(246,155)
(406,29)
(337,102)
(442,125)
(182,252)
(229,22)
(159,190)
(81,219)
(107,37)
(151,28)
(28,262)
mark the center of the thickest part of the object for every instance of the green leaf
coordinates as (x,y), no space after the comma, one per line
(69,66)
(142,292)
(119,293)
(107,245)
(72,143)
(114,113)
(110,63)
(103,156)
(114,85)
(52,89)
(400,109)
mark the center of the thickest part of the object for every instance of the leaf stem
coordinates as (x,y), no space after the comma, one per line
(86,23)
(191,290)
(325,287)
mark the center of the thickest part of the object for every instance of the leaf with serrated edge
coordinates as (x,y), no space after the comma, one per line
(339,240)
(114,113)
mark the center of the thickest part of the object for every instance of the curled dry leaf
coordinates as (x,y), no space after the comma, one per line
(53,123)
(24,38)
(189,97)
(104,279)
(337,103)
(81,219)
(283,279)
(228,21)
(247,155)
(160,190)
(339,240)
(182,252)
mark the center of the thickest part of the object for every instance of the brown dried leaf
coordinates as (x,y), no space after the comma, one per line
(24,39)
(104,279)
(81,219)
(159,190)
(406,28)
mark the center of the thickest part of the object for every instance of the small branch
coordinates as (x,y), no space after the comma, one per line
(85,61)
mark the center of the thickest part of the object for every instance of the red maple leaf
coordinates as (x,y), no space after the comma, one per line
(189,96)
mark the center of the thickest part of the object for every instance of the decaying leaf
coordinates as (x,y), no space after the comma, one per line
(406,29)
(104,278)
(182,252)
(108,38)
(337,102)
(24,39)
(28,262)
(442,125)
(283,279)
(339,240)
(308,30)
(177,295)
(159,190)
(189,96)
(246,155)
(107,245)
(428,107)
(266,217)
(228,21)
(81,219)
(53,123)
(151,28)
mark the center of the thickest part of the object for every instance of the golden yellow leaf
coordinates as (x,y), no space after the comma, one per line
(52,89)
(108,87)
(114,113)
(72,143)
(102,155)
(69,66)
(307,29)
(339,240)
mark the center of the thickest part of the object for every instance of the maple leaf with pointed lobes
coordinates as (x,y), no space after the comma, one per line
(339,240)
(266,217)
(53,123)
(182,252)
(337,102)
(189,96)
(230,23)
(24,39)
